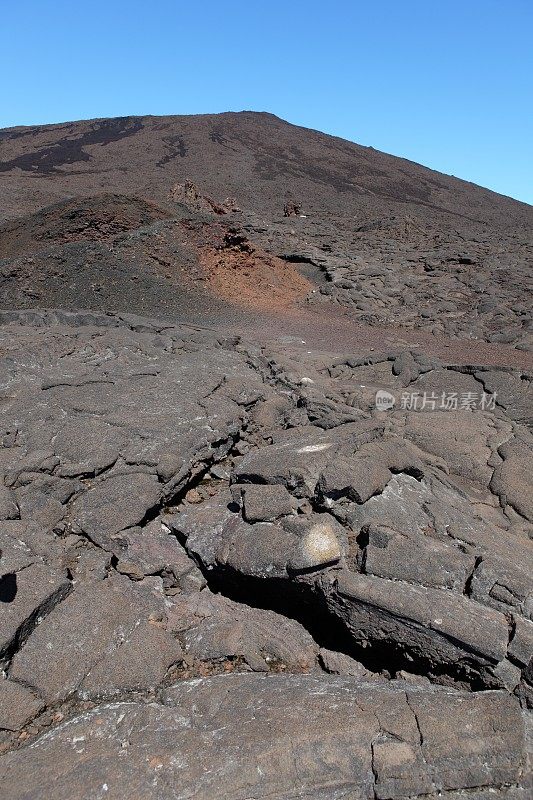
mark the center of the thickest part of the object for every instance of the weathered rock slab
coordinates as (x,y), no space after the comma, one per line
(305,737)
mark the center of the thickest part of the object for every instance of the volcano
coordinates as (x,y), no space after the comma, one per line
(266,468)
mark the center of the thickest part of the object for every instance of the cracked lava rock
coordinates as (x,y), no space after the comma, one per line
(225,571)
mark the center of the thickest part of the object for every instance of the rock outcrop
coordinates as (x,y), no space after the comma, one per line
(202,537)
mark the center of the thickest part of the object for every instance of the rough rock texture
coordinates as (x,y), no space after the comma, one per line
(355,740)
(181,505)
(258,545)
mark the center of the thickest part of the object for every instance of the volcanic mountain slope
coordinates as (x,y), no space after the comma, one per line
(393,242)
(257,158)
(226,569)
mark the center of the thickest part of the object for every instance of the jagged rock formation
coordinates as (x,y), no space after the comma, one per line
(178,505)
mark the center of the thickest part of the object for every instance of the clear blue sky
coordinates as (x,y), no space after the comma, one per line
(447,83)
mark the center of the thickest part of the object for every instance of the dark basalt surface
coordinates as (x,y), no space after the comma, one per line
(224,570)
(178,506)
(363,741)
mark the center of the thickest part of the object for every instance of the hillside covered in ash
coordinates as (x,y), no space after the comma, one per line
(386,241)
(266,495)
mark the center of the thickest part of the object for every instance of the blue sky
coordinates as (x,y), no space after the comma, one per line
(447,83)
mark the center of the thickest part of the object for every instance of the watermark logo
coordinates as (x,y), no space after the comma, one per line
(433,401)
(384,400)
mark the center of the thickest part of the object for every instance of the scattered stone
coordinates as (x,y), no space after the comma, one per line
(317,548)
(8,504)
(82,631)
(266,503)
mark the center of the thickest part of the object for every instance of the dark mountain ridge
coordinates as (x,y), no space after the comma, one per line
(247,154)
(96,204)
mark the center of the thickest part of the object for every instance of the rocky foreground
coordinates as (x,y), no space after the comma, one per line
(225,573)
